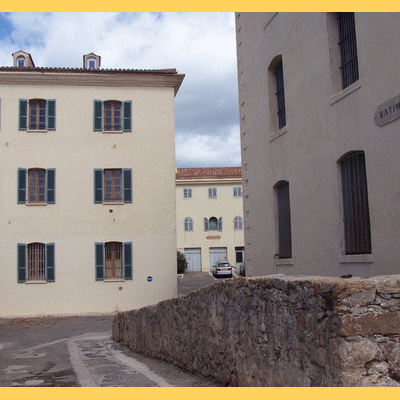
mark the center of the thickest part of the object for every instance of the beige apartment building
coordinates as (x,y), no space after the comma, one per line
(87,188)
(209,216)
(319,98)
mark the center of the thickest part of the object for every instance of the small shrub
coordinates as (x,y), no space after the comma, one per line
(181,262)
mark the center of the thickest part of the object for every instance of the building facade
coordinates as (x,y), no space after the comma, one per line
(319,99)
(209,216)
(88,216)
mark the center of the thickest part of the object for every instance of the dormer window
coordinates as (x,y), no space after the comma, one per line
(91,61)
(21,62)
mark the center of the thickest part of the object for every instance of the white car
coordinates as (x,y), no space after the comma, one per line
(222,268)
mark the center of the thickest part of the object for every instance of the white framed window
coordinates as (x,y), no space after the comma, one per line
(188,224)
(238,223)
(212,193)
(21,62)
(237,191)
(187,193)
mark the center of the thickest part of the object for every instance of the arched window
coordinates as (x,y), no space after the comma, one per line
(238,223)
(213,224)
(188,224)
(357,231)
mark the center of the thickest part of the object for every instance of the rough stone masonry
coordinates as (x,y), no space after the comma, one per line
(277,331)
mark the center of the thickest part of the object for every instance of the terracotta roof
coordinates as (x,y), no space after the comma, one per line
(90,71)
(215,172)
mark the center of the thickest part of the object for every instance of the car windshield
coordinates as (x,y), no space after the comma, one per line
(222,265)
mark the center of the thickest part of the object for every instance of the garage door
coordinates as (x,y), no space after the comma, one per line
(216,254)
(193,258)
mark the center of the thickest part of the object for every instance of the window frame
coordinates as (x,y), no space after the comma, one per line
(99,186)
(110,107)
(207,224)
(116,195)
(280,94)
(212,193)
(99,116)
(188,224)
(237,191)
(26,107)
(284,220)
(238,223)
(23,186)
(187,193)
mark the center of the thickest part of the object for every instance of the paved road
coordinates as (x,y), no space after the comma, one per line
(79,351)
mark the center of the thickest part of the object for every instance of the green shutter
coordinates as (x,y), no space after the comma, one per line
(21,263)
(206,227)
(98,115)
(50,275)
(51,186)
(23,114)
(127,116)
(98,186)
(128,260)
(220,224)
(127,185)
(99,267)
(51,115)
(21,185)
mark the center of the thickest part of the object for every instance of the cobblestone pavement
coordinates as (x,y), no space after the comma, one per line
(78,351)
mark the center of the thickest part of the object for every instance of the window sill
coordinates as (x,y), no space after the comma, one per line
(113,132)
(37,130)
(345,92)
(284,261)
(114,280)
(36,204)
(113,203)
(356,259)
(276,134)
(35,282)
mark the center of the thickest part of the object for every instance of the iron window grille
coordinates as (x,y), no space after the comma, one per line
(348,48)
(357,230)
(280,95)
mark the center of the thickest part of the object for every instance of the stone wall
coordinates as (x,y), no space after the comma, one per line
(277,331)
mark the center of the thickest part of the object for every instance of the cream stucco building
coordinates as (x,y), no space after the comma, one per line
(209,215)
(319,98)
(87,188)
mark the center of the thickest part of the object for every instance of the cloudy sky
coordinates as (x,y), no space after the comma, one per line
(200,45)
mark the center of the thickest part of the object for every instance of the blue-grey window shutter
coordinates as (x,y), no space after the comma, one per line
(51,185)
(127,116)
(127,185)
(98,115)
(51,115)
(21,185)
(98,186)
(205,224)
(128,260)
(50,267)
(21,262)
(99,255)
(220,224)
(23,114)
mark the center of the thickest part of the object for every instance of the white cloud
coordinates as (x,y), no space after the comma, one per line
(200,45)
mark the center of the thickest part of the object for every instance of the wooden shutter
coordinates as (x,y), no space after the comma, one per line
(220,224)
(21,262)
(127,185)
(128,260)
(127,105)
(51,115)
(98,115)
(206,227)
(21,185)
(23,114)
(284,225)
(99,266)
(98,186)
(50,275)
(51,185)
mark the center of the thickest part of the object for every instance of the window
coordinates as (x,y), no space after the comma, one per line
(113,261)
(41,186)
(188,224)
(280,95)
(112,116)
(36,262)
(91,63)
(113,185)
(37,115)
(212,193)
(213,224)
(238,223)
(187,193)
(21,62)
(284,225)
(237,191)
(348,48)
(357,231)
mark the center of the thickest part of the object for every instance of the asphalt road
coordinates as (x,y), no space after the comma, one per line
(79,351)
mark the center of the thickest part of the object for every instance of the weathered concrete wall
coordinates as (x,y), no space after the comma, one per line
(277,331)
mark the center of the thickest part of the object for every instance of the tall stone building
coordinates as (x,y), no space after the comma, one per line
(319,102)
(87,188)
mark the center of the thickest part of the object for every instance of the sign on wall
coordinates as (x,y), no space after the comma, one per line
(388,111)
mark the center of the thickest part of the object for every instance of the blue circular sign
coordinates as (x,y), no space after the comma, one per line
(149,279)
